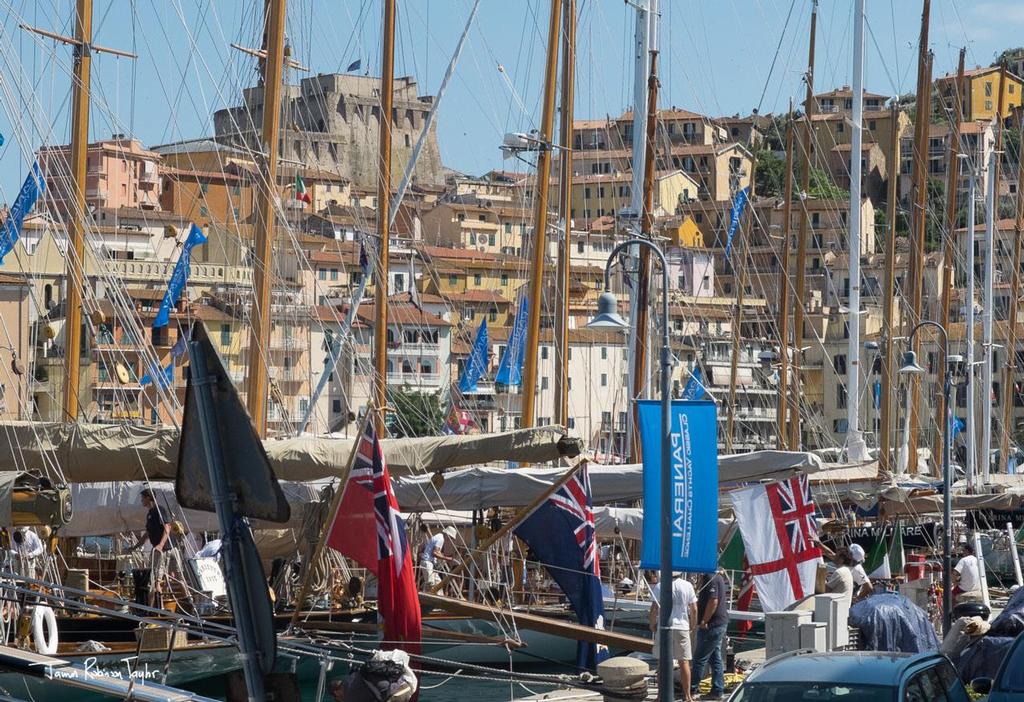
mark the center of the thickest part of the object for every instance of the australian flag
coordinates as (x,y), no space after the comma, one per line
(561,534)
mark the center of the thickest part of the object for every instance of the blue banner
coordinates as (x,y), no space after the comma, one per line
(31,189)
(163,376)
(738,206)
(694,389)
(510,367)
(694,470)
(178,277)
(476,364)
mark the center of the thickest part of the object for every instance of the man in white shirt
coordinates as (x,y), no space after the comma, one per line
(433,551)
(28,547)
(684,611)
(967,575)
(862,586)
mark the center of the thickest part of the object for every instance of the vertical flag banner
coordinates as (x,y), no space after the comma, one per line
(301,194)
(30,191)
(694,471)
(179,277)
(694,389)
(561,533)
(476,364)
(738,205)
(779,535)
(510,367)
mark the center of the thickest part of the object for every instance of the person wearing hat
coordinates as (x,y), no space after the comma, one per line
(433,551)
(967,574)
(862,586)
(27,548)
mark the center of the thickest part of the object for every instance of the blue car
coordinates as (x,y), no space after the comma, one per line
(1008,685)
(853,676)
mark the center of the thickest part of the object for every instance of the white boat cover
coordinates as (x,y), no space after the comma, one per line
(100,452)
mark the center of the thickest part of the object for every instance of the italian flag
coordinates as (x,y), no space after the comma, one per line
(300,191)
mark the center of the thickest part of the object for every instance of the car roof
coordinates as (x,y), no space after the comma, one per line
(852,667)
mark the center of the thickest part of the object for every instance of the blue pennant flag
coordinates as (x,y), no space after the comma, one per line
(354,66)
(694,389)
(561,535)
(878,394)
(180,346)
(956,426)
(476,364)
(31,189)
(163,376)
(510,367)
(178,277)
(738,206)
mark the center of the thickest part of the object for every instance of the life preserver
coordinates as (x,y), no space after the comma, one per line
(44,630)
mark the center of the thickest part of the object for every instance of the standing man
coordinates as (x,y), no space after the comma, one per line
(712,621)
(683,619)
(165,555)
(433,551)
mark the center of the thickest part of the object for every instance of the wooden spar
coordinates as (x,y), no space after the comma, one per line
(515,521)
(801,244)
(540,221)
(739,267)
(946,274)
(535,622)
(782,438)
(565,213)
(332,509)
(1011,333)
(265,220)
(888,295)
(920,191)
(380,307)
(641,379)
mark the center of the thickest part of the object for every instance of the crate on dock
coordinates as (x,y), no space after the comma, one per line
(158,637)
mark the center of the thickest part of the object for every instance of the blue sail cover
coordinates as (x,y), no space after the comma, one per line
(510,367)
(476,364)
(891,622)
(179,277)
(30,191)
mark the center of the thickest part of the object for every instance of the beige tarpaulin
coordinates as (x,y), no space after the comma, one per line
(101,452)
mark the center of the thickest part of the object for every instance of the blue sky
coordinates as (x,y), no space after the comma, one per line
(717,58)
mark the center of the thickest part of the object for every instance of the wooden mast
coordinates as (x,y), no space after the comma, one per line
(1011,333)
(380,307)
(920,191)
(540,220)
(946,275)
(739,267)
(781,436)
(888,295)
(266,203)
(801,244)
(565,207)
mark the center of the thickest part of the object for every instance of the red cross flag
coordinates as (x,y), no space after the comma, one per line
(779,533)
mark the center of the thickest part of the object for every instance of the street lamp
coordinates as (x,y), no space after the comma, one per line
(910,367)
(608,318)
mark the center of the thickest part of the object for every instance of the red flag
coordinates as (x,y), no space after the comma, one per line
(369,529)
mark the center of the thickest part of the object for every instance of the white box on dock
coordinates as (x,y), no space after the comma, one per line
(917,591)
(782,631)
(833,610)
(814,635)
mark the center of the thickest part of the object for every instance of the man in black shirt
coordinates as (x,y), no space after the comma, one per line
(165,555)
(712,621)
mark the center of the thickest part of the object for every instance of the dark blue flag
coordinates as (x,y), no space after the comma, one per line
(476,364)
(561,535)
(164,377)
(694,389)
(738,206)
(31,189)
(957,426)
(178,277)
(510,367)
(354,66)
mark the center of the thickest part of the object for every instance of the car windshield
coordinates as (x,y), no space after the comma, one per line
(1013,670)
(812,692)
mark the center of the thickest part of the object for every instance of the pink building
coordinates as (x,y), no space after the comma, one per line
(119,173)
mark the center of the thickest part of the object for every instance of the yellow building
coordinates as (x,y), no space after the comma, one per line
(596,196)
(981,94)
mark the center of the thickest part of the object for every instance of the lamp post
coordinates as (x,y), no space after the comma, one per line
(608,317)
(910,367)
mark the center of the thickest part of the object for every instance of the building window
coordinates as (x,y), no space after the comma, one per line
(504,279)
(477,279)
(604,380)
(544,383)
(453,280)
(322,274)
(225,334)
(840,396)
(988,88)
(336,406)
(604,353)
(839,364)
(544,352)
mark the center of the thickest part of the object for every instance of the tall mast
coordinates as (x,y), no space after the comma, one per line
(380,307)
(76,222)
(920,188)
(565,205)
(739,267)
(888,358)
(540,219)
(801,243)
(1011,333)
(643,289)
(946,275)
(266,202)
(855,448)
(972,403)
(781,436)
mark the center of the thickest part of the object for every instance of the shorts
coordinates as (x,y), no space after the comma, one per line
(430,577)
(165,562)
(681,649)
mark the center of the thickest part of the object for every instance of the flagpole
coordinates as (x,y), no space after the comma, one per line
(331,511)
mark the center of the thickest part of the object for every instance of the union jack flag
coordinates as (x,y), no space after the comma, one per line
(371,472)
(793,508)
(574,498)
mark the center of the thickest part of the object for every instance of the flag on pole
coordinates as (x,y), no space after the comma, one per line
(369,529)
(300,190)
(476,364)
(164,377)
(694,389)
(354,66)
(561,533)
(30,191)
(779,532)
(510,367)
(179,277)
(738,205)
(876,565)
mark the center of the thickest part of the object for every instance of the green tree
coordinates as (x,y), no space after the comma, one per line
(415,413)
(771,179)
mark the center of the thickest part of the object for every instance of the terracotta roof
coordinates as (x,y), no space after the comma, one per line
(145,293)
(671,113)
(975,72)
(839,116)
(401,314)
(208,313)
(590,124)
(478,296)
(847,91)
(866,146)
(443,252)
(13,279)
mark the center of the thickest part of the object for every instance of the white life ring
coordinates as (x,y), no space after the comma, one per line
(44,630)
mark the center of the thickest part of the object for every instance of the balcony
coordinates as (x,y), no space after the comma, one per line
(287,343)
(414,379)
(418,348)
